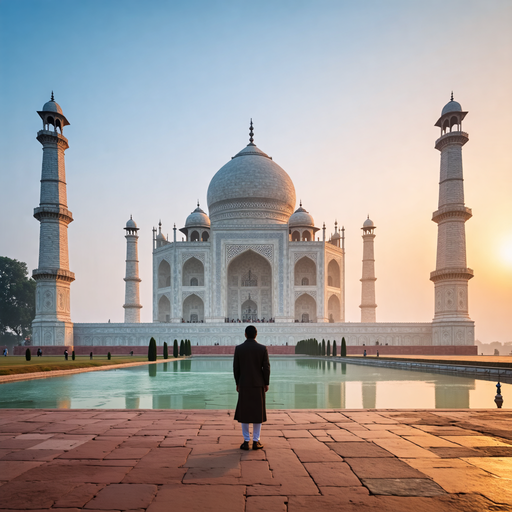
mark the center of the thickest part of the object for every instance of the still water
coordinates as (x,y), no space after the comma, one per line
(295,383)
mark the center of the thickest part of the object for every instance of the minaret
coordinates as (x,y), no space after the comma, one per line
(52,323)
(368,305)
(132,305)
(451,325)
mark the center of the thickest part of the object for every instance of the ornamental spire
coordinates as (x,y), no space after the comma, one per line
(251,133)
(52,98)
(451,98)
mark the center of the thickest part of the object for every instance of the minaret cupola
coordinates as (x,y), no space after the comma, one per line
(52,115)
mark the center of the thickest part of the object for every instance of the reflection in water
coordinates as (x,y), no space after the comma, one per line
(300,383)
(452,395)
(161,401)
(369,395)
(132,402)
(306,396)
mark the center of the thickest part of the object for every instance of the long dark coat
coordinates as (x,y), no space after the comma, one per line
(251,369)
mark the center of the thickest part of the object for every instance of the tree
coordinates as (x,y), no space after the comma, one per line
(166,350)
(73,356)
(343,351)
(182,348)
(328,347)
(175,348)
(28,355)
(334,349)
(323,348)
(152,350)
(17,298)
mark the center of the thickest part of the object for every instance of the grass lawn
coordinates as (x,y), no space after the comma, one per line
(12,365)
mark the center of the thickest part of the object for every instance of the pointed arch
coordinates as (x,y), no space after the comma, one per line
(333,274)
(164,274)
(193,309)
(334,309)
(305,308)
(249,277)
(305,268)
(193,268)
(164,309)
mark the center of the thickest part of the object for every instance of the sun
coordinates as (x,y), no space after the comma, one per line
(506,251)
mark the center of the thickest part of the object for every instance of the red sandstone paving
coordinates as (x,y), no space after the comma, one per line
(419,461)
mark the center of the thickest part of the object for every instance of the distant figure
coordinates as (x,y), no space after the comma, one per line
(6,352)
(131,353)
(377,353)
(364,353)
(251,369)
(90,355)
(66,354)
(39,352)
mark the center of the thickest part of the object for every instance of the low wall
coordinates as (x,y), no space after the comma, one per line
(119,350)
(429,350)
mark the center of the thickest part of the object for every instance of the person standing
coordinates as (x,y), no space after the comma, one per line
(251,369)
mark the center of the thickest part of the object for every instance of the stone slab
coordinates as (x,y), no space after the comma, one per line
(403,487)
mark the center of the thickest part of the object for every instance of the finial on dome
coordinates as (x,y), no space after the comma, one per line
(131,216)
(52,98)
(451,97)
(300,202)
(198,203)
(251,133)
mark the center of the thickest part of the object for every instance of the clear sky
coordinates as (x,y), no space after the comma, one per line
(344,96)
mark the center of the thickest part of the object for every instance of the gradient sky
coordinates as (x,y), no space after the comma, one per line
(344,96)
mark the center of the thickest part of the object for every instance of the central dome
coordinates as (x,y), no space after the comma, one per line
(253,188)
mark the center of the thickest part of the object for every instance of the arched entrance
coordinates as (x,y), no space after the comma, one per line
(305,309)
(193,309)
(249,311)
(334,309)
(249,287)
(193,273)
(164,309)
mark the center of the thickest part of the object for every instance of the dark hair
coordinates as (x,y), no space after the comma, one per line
(251,332)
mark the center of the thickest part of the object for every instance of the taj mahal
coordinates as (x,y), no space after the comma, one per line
(254,257)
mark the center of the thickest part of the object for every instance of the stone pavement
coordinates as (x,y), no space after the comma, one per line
(313,461)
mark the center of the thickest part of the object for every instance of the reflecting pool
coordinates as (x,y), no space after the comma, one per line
(295,383)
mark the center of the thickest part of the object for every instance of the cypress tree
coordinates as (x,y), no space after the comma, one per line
(73,355)
(152,350)
(109,356)
(334,350)
(166,350)
(175,349)
(182,348)
(323,348)
(28,355)
(328,347)
(343,351)
(319,348)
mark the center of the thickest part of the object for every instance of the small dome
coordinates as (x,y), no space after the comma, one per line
(161,236)
(451,106)
(131,224)
(368,223)
(197,219)
(301,218)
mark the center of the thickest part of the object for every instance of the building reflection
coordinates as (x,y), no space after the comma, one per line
(162,402)
(306,396)
(131,402)
(336,395)
(152,370)
(451,394)
(369,393)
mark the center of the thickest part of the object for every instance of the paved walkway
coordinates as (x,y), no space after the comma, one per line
(313,461)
